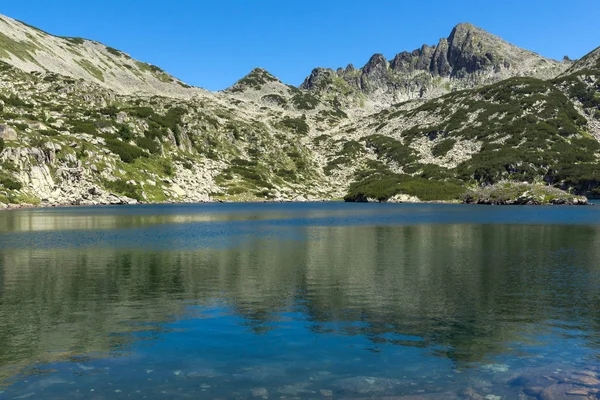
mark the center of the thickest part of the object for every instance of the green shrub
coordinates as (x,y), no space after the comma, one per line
(79,126)
(275,99)
(15,101)
(443,147)
(10,183)
(296,125)
(146,143)
(305,101)
(384,185)
(111,111)
(336,163)
(120,186)
(125,133)
(125,151)
(1,145)
(141,112)
(391,149)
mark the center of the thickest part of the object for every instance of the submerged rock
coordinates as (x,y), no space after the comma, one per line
(566,392)
(368,384)
(260,393)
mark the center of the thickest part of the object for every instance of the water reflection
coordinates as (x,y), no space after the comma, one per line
(453,296)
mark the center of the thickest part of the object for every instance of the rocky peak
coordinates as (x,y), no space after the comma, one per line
(319,79)
(471,49)
(469,57)
(256,79)
(376,64)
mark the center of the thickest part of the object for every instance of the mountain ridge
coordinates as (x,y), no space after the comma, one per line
(33,50)
(431,124)
(468,57)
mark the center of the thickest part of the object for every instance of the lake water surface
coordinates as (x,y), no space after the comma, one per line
(299,301)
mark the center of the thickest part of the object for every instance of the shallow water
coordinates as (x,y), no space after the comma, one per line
(296,300)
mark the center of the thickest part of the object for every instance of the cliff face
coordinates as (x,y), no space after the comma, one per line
(81,123)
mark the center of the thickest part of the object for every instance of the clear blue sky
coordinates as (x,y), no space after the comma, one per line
(214,43)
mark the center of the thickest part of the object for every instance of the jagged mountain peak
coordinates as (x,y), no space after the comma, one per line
(467,58)
(33,50)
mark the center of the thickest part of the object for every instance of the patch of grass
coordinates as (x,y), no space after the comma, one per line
(91,69)
(23,50)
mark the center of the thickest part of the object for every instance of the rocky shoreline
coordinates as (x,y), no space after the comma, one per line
(516,193)
(132,202)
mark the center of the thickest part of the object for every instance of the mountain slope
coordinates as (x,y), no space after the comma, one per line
(31,49)
(70,135)
(469,57)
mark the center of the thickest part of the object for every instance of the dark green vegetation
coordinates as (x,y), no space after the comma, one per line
(305,101)
(529,131)
(296,125)
(379,183)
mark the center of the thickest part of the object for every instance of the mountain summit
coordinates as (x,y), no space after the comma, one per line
(469,57)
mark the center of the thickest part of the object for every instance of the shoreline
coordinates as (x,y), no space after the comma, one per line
(17,207)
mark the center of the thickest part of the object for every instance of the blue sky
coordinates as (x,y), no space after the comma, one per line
(214,43)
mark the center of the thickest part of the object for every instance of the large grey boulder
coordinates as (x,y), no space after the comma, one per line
(7,133)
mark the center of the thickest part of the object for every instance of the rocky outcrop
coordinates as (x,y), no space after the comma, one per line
(512,193)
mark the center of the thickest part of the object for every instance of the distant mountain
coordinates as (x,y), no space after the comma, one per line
(468,58)
(82,123)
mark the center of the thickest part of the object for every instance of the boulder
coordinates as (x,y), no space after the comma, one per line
(7,133)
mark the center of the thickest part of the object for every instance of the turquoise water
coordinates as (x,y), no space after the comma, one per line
(298,301)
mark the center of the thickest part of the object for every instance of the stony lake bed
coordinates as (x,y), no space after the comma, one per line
(300,301)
